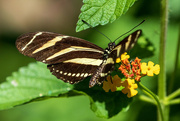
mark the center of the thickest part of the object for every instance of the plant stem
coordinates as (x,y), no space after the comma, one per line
(162,74)
(171,82)
(162,53)
(173,95)
(175,101)
(146,99)
(146,90)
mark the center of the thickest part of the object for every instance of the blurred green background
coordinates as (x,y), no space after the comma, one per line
(22,16)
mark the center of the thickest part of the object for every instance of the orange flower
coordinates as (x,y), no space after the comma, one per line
(131,72)
(138,78)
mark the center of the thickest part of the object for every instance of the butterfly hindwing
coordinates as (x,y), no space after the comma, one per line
(71,72)
(126,44)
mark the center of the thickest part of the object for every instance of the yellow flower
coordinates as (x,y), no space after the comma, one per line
(118,60)
(156,69)
(144,68)
(150,69)
(108,85)
(123,57)
(129,87)
(117,81)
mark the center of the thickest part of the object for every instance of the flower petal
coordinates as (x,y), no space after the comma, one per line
(106,86)
(150,72)
(132,92)
(144,68)
(118,60)
(156,69)
(150,64)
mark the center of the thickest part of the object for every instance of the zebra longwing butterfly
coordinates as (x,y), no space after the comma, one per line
(73,59)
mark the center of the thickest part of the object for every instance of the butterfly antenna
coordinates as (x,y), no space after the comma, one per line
(96,30)
(130,30)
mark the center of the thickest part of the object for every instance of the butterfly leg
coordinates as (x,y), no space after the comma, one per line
(111,79)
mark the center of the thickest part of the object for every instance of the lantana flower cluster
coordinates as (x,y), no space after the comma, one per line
(132,71)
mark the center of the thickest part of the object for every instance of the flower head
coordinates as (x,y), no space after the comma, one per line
(112,83)
(123,57)
(150,69)
(132,71)
(125,67)
(129,87)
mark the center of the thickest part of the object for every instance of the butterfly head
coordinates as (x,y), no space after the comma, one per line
(111,46)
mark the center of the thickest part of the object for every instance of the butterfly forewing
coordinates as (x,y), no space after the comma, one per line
(53,48)
(70,59)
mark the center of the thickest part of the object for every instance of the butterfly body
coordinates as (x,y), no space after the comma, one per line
(72,59)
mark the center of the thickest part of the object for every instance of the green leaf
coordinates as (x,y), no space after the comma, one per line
(101,12)
(110,104)
(34,81)
(103,104)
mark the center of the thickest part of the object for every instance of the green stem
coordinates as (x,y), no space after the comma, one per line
(147,91)
(162,74)
(171,82)
(146,99)
(162,53)
(173,95)
(175,101)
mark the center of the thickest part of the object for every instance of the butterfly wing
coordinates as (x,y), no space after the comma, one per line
(69,58)
(72,72)
(72,59)
(54,48)
(126,44)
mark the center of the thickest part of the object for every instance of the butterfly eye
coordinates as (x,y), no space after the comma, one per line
(114,44)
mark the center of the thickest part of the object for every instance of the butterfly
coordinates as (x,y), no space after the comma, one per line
(73,59)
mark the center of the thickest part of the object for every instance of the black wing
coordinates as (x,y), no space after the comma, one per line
(126,44)
(70,59)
